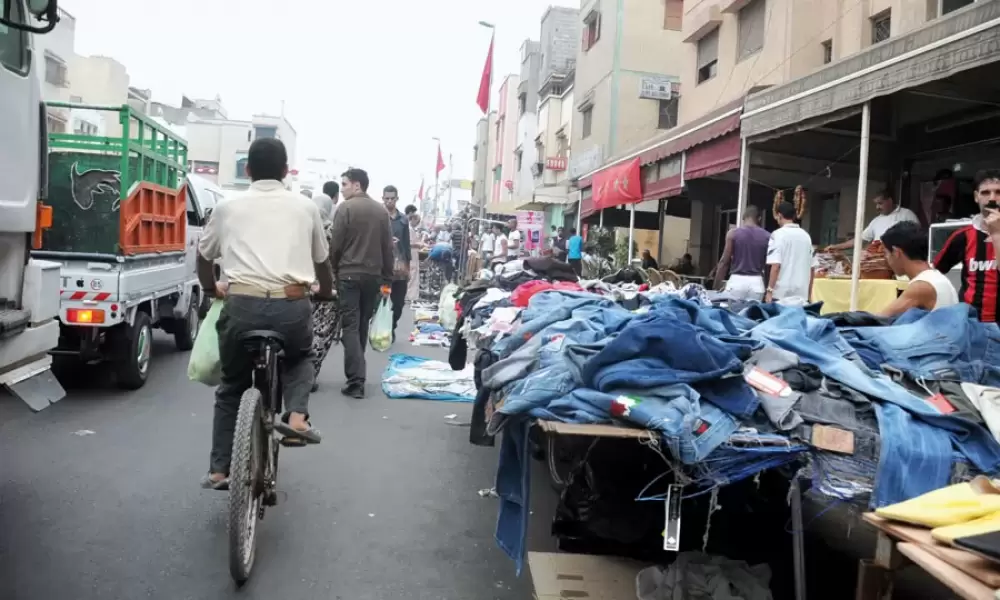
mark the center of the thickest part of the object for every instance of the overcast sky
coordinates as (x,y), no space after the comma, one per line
(367,83)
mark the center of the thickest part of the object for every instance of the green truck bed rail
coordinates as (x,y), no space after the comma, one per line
(90,176)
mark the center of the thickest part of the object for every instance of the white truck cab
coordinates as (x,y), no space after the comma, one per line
(29,289)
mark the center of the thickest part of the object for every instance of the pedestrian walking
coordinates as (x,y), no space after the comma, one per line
(325,314)
(574,252)
(402,253)
(789,258)
(413,285)
(361,254)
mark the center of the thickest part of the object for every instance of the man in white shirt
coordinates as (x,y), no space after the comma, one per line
(514,240)
(443,237)
(789,259)
(499,245)
(888,215)
(271,245)
(486,246)
(906,248)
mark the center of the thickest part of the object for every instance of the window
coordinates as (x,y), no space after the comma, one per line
(518,155)
(668,113)
(708,56)
(947,6)
(265,132)
(881,26)
(85,128)
(522,103)
(241,167)
(562,146)
(13,42)
(752,21)
(827,52)
(588,121)
(673,14)
(55,71)
(591,29)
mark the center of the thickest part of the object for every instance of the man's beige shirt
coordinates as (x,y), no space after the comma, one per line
(268,237)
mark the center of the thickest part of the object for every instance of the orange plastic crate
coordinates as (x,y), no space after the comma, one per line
(153,219)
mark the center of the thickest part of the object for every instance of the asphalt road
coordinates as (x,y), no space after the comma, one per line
(386,507)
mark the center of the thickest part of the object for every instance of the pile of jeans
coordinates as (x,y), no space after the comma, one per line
(682,368)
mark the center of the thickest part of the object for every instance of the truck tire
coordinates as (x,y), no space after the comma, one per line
(186,329)
(134,348)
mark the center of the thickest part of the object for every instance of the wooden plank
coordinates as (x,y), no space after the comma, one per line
(977,567)
(606,431)
(961,583)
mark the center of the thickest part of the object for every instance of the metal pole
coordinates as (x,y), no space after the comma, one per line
(859,216)
(579,214)
(601,224)
(744,190)
(487,185)
(631,232)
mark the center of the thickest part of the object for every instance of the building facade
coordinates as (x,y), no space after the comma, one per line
(503,163)
(482,158)
(525,155)
(628,68)
(217,148)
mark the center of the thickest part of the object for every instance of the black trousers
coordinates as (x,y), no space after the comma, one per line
(358,297)
(397,295)
(577,266)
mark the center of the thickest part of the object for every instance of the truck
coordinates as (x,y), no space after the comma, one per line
(122,205)
(29,288)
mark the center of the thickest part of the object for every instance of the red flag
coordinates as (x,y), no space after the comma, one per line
(440,165)
(420,194)
(483,99)
(618,184)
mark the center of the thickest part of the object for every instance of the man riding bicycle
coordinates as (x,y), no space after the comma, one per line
(271,246)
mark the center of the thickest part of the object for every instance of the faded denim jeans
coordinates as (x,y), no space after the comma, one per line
(240,314)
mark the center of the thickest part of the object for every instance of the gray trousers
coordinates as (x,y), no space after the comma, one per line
(358,297)
(292,319)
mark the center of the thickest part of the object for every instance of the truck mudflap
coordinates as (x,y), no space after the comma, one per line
(34,383)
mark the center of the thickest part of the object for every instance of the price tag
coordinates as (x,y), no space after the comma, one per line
(767,383)
(941,403)
(672,531)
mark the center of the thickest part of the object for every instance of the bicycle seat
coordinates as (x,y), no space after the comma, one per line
(252,338)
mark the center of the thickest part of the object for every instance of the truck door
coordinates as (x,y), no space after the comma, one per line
(19,127)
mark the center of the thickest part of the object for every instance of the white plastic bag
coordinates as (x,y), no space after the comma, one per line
(380,329)
(447,315)
(204,365)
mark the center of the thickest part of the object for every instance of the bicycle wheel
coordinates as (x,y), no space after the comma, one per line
(245,487)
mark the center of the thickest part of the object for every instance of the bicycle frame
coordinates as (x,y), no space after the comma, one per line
(267,379)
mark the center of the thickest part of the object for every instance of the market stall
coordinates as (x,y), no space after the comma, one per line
(722,394)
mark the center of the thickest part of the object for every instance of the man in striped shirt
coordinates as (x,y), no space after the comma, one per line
(972,247)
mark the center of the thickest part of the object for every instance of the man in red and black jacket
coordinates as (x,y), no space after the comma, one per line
(972,247)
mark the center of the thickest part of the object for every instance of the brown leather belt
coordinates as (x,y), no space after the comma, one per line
(294,291)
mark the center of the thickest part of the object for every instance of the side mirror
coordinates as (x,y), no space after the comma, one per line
(46,11)
(41,8)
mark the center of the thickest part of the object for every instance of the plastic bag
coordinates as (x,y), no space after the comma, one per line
(447,313)
(380,330)
(204,365)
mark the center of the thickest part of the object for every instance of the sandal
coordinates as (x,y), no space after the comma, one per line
(294,437)
(211,484)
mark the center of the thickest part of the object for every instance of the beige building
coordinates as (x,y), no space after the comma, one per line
(732,46)
(217,148)
(504,162)
(484,149)
(627,71)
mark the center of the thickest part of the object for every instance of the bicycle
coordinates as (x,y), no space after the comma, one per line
(253,475)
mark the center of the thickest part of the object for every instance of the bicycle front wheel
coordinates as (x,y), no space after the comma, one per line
(245,487)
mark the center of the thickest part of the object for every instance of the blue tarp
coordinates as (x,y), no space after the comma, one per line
(444,378)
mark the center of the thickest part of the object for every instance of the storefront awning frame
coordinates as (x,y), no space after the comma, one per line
(960,41)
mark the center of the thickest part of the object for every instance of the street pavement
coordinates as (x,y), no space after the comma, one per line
(99,498)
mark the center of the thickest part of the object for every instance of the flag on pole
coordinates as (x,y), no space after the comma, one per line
(483,99)
(420,194)
(440,163)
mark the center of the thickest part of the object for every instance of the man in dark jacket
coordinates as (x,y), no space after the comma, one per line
(362,259)
(401,253)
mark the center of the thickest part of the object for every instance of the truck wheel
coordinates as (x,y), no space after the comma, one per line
(186,329)
(134,349)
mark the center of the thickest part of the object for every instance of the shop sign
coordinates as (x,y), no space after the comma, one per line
(585,162)
(555,163)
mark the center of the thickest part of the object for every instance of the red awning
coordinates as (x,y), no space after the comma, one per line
(713,157)
(618,184)
(587,207)
(698,132)
(664,188)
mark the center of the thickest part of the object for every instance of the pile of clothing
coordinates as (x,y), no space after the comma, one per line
(875,411)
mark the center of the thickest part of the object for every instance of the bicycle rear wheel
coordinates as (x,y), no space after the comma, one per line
(245,486)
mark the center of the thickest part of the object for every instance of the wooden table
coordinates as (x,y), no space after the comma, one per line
(967,575)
